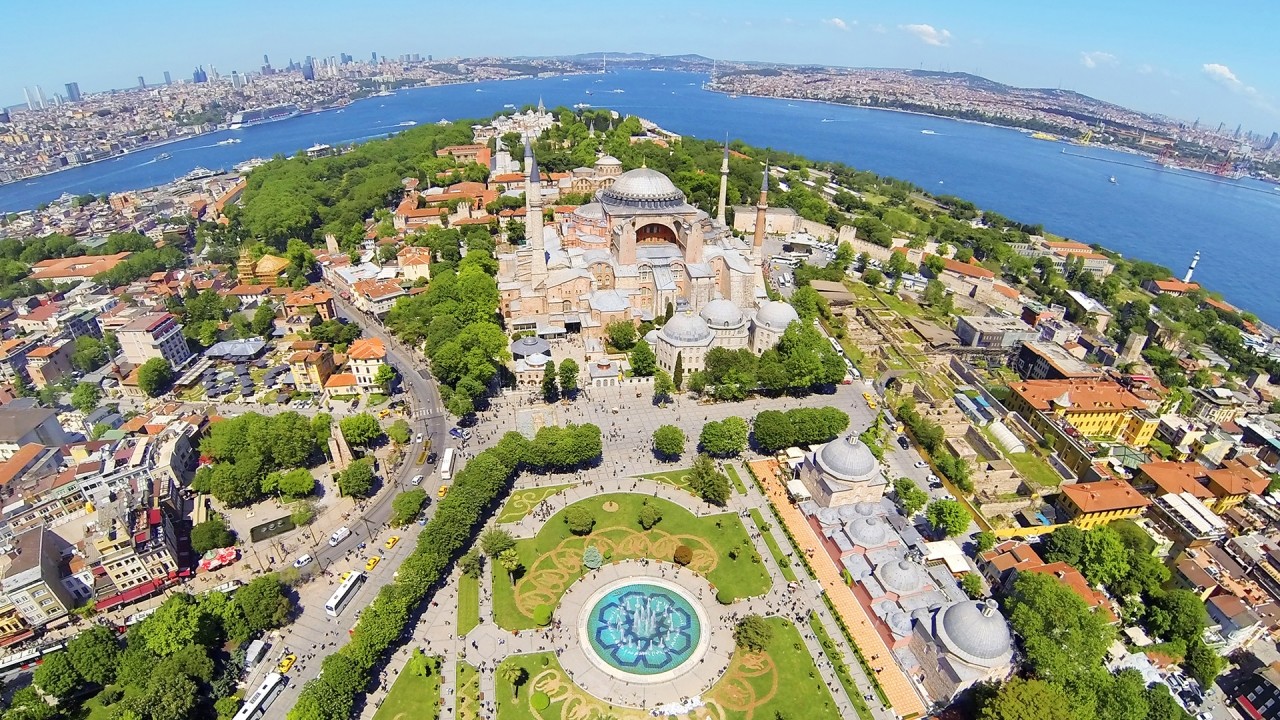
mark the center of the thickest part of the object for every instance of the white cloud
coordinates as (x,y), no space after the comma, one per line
(837,23)
(1223,75)
(878,28)
(928,34)
(1093,59)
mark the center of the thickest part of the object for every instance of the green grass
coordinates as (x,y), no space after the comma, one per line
(1034,469)
(93,709)
(468,692)
(468,604)
(784,563)
(413,695)
(743,577)
(732,472)
(522,502)
(836,658)
(676,478)
(376,399)
(792,689)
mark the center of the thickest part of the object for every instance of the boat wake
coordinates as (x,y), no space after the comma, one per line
(928,132)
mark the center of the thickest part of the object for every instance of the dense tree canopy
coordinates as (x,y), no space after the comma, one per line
(776,430)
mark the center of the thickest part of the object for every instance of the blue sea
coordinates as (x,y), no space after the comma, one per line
(1149,212)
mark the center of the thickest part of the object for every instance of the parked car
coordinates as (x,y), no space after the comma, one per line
(372,563)
(303,561)
(432,457)
(391,542)
(417,480)
(920,465)
(418,439)
(286,663)
(903,442)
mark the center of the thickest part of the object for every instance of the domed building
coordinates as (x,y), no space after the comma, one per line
(770,321)
(961,644)
(638,249)
(842,472)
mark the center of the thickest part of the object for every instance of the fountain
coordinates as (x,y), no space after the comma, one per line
(643,628)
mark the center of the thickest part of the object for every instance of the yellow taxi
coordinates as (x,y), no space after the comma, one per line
(344,577)
(372,563)
(871,404)
(391,542)
(286,663)
(444,490)
(868,397)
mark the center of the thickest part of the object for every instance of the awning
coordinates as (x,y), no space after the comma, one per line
(129,596)
(1249,710)
(17,638)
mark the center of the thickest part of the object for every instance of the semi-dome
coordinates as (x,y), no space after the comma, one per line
(686,329)
(776,315)
(590,211)
(848,459)
(975,632)
(721,313)
(901,577)
(642,188)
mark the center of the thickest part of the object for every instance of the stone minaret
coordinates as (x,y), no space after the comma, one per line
(533,217)
(724,184)
(761,207)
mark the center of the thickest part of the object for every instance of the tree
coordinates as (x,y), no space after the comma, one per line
(550,390)
(934,290)
(1177,615)
(753,633)
(971,583)
(773,431)
(302,513)
(85,397)
(471,564)
(1062,637)
(154,377)
(297,483)
(170,697)
(569,378)
(264,319)
(1066,544)
(1202,663)
(1032,699)
(909,495)
(513,674)
(175,624)
(89,354)
(210,535)
(28,704)
(357,479)
(57,676)
(265,603)
(496,541)
(668,441)
(649,516)
(621,334)
(677,374)
(509,559)
(724,438)
(872,277)
(93,653)
(1104,559)
(405,506)
(643,361)
(663,387)
(984,541)
(400,432)
(384,377)
(683,555)
(579,519)
(361,429)
(948,516)
(707,482)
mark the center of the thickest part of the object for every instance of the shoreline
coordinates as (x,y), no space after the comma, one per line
(121,156)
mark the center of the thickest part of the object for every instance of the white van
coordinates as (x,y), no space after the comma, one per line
(339,535)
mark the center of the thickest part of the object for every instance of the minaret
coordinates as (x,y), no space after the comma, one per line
(724,184)
(1192,268)
(533,217)
(761,207)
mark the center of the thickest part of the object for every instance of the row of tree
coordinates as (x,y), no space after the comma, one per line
(776,430)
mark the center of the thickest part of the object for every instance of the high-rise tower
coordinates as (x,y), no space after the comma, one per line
(533,216)
(73,91)
(724,184)
(761,207)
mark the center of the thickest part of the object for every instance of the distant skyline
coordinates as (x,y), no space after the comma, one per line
(1194,61)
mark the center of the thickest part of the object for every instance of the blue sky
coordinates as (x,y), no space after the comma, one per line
(1189,60)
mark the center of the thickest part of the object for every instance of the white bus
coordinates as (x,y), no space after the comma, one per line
(344,592)
(446,465)
(255,706)
(784,260)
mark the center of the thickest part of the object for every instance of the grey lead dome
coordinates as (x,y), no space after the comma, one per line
(975,632)
(848,459)
(644,188)
(776,315)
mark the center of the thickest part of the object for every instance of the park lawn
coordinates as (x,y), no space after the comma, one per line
(732,472)
(1034,469)
(468,604)
(412,696)
(789,686)
(556,554)
(676,478)
(93,709)
(468,692)
(522,502)
(784,562)
(839,666)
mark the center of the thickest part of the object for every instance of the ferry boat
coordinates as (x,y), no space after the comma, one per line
(162,156)
(229,141)
(1113,180)
(249,118)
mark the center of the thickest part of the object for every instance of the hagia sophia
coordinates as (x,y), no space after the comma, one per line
(637,253)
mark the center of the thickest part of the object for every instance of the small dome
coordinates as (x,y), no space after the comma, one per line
(776,315)
(608,160)
(848,459)
(642,188)
(975,632)
(901,577)
(529,345)
(686,329)
(721,313)
(868,532)
(590,211)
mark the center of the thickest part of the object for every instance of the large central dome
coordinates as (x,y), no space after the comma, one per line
(848,459)
(642,188)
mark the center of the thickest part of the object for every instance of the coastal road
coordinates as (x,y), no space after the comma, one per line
(314,634)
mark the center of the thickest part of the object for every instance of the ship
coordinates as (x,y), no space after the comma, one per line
(249,118)
(229,141)
(162,156)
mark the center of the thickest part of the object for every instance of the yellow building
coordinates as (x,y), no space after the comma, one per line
(1088,505)
(1098,409)
(264,270)
(311,365)
(1220,490)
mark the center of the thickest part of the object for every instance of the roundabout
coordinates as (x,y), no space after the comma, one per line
(647,634)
